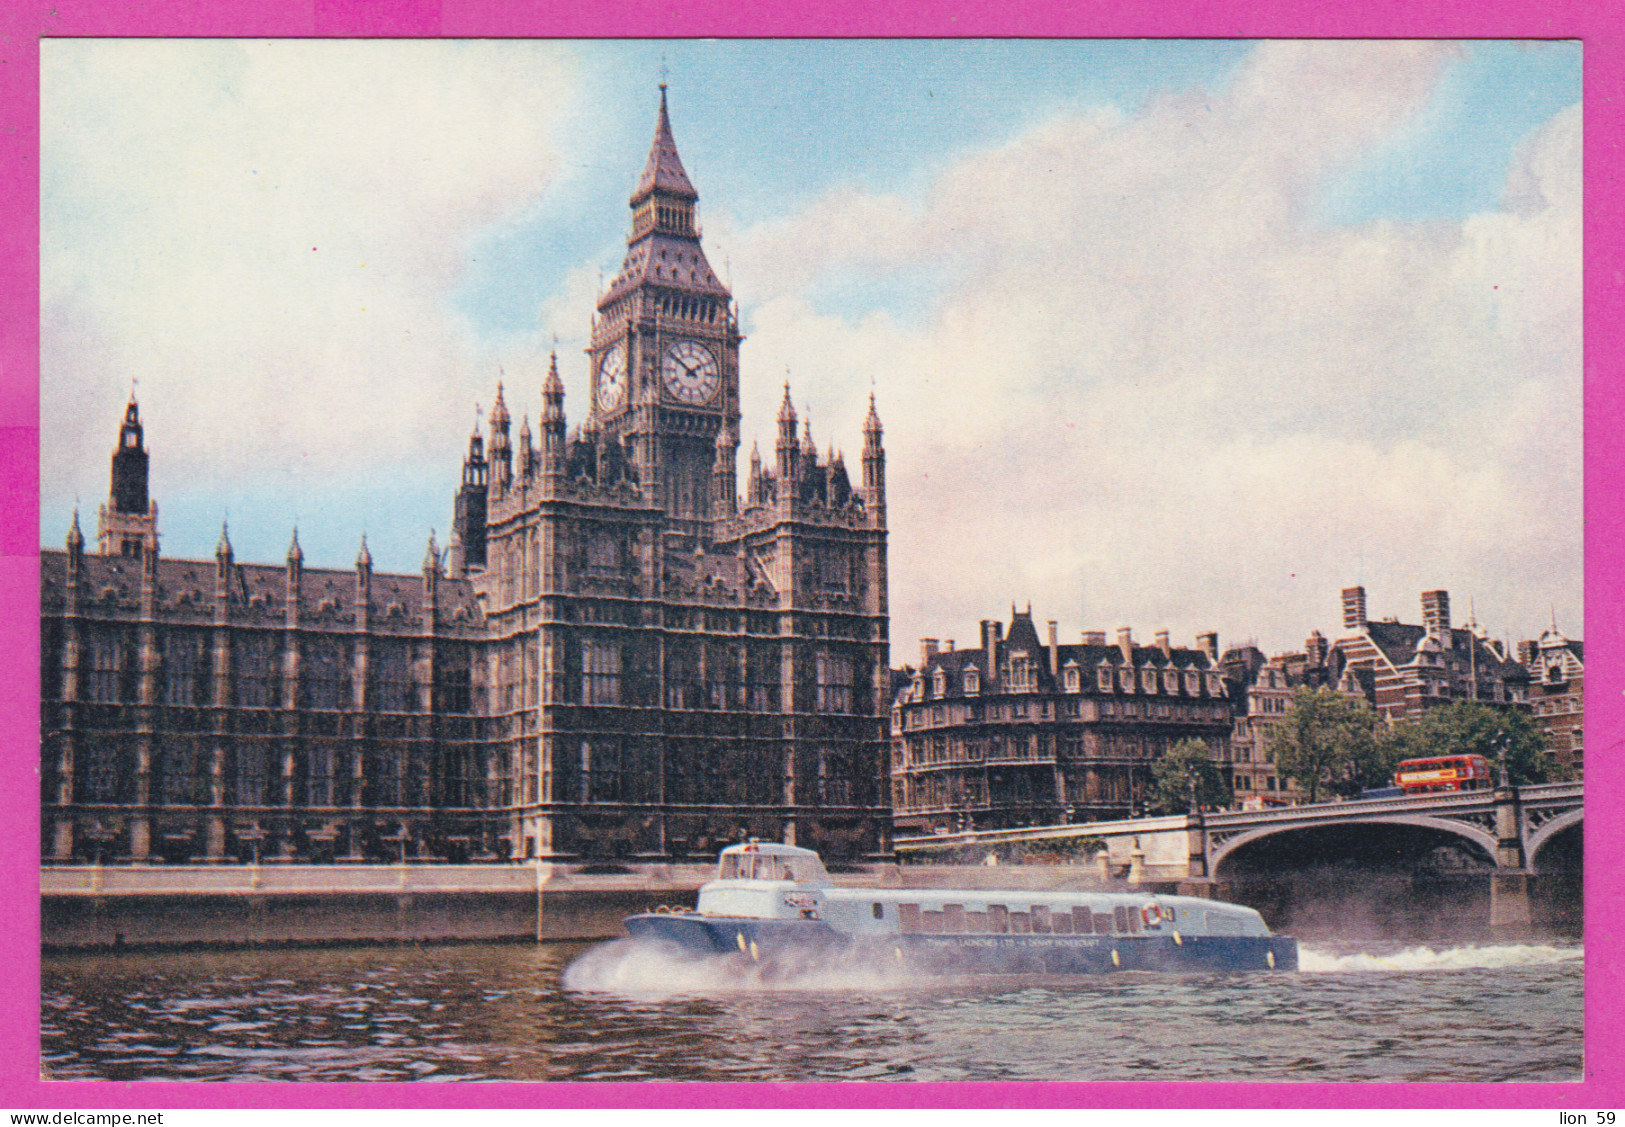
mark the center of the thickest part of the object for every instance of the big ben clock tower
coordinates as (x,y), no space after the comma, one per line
(665,345)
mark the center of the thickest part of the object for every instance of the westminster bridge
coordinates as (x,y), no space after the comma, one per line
(1509,835)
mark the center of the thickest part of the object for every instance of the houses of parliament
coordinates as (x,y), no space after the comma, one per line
(618,655)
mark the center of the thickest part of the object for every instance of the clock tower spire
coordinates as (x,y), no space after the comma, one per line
(665,344)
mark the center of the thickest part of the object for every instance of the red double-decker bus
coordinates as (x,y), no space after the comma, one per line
(1445,773)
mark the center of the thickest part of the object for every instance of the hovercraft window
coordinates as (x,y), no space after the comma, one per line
(1083,921)
(1103,923)
(1039,915)
(879,911)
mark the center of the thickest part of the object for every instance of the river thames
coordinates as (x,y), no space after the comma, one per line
(1358,1010)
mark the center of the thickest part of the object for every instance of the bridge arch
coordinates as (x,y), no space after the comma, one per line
(1551,829)
(1482,839)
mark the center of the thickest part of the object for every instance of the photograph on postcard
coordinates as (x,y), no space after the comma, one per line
(577,460)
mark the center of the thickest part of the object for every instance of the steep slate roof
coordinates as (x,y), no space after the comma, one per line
(1024,636)
(1398,642)
(663,171)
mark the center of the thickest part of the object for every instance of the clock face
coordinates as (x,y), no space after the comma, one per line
(612,379)
(690,372)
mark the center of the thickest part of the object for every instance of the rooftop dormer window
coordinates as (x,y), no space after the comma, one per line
(973,681)
(939,684)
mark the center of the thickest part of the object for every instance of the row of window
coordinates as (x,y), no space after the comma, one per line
(254,776)
(1021,676)
(326,673)
(1039,919)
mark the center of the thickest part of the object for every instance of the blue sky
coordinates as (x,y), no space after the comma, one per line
(1054,260)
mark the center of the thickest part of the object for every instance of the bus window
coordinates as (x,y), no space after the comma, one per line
(1443,774)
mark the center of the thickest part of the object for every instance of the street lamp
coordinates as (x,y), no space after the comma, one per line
(1500,742)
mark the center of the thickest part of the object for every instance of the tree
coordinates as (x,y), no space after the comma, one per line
(1325,741)
(1172,775)
(1467,727)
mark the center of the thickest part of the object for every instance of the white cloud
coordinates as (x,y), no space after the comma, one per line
(252,227)
(1155,392)
(1147,387)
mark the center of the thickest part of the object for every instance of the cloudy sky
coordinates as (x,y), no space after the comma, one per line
(1169,335)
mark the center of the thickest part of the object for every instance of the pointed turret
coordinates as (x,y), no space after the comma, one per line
(724,477)
(786,449)
(222,573)
(469,526)
(76,539)
(129,519)
(664,246)
(363,558)
(293,579)
(755,487)
(553,441)
(874,461)
(527,452)
(501,454)
(663,172)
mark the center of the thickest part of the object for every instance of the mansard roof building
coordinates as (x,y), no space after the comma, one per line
(621,658)
(1020,731)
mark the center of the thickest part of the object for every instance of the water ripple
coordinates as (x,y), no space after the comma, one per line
(1510,1012)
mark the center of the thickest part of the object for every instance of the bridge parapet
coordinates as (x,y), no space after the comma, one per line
(1508,826)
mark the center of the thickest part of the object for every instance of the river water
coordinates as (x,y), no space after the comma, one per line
(1358,1010)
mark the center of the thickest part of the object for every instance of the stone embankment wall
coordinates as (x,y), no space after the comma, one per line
(85,907)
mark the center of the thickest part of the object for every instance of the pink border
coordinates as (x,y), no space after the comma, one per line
(23,22)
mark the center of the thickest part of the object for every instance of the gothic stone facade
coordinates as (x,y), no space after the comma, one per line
(621,660)
(1023,732)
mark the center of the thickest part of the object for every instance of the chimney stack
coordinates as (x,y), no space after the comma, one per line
(1094,637)
(1209,644)
(1162,643)
(1436,615)
(1125,642)
(928,650)
(1314,648)
(1354,608)
(1054,649)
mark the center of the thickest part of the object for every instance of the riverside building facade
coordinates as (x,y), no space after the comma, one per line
(1021,731)
(621,659)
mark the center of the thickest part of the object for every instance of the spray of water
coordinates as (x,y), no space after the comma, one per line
(651,972)
(1311,961)
(648,971)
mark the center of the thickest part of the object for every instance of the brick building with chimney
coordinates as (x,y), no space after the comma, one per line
(1026,731)
(1404,669)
